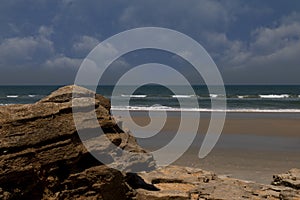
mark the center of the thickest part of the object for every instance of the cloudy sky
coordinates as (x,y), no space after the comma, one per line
(252,42)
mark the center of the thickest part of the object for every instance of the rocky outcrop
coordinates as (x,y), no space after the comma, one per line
(289,179)
(41,155)
(183,183)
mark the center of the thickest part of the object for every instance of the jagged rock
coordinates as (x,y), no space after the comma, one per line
(65,94)
(289,179)
(98,182)
(41,155)
(176,182)
(289,195)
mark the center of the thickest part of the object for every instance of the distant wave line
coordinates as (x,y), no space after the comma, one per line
(12,96)
(183,96)
(229,96)
(134,96)
(274,96)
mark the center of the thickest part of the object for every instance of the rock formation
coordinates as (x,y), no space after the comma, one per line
(289,179)
(42,157)
(183,183)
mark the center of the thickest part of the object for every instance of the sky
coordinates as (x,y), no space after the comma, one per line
(252,42)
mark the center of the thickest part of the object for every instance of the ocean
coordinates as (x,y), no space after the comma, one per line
(240,98)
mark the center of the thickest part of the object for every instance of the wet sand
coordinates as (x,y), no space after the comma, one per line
(252,146)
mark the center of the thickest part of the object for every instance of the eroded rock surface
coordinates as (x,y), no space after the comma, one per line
(175,182)
(289,179)
(41,155)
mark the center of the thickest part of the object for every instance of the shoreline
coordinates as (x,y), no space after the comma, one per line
(252,146)
(293,114)
(267,111)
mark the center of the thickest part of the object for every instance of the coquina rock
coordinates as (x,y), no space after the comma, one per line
(184,183)
(42,157)
(289,179)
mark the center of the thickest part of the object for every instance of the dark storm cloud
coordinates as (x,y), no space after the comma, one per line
(271,56)
(252,42)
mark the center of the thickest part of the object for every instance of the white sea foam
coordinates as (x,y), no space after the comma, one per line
(12,96)
(143,108)
(260,110)
(216,96)
(134,95)
(166,108)
(5,104)
(274,96)
(31,95)
(182,96)
(213,95)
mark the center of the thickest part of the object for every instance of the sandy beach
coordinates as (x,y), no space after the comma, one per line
(252,146)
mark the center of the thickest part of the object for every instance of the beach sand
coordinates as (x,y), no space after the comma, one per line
(252,146)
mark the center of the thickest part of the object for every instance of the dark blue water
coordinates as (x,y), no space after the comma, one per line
(150,97)
(24,94)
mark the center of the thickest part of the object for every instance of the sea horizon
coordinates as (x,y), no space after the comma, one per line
(240,98)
